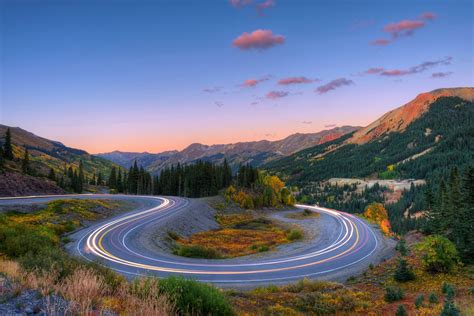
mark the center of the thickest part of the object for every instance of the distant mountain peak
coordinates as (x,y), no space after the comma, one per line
(398,119)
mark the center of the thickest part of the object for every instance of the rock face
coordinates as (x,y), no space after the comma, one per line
(256,153)
(17,184)
(398,119)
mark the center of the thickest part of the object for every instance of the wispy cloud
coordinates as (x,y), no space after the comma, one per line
(295,80)
(253,82)
(428,16)
(307,122)
(380,42)
(212,89)
(240,3)
(411,70)
(332,85)
(265,5)
(219,104)
(258,39)
(441,74)
(276,94)
(330,125)
(403,28)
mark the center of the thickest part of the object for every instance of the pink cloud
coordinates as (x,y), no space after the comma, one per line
(411,70)
(276,94)
(403,28)
(330,125)
(267,4)
(380,42)
(441,74)
(340,82)
(259,39)
(428,16)
(253,82)
(294,80)
(375,70)
(239,3)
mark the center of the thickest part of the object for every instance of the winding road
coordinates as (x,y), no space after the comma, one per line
(113,243)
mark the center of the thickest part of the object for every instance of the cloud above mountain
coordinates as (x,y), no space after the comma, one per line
(258,40)
(335,84)
(424,66)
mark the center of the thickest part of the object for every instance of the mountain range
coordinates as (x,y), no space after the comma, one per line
(255,153)
(421,139)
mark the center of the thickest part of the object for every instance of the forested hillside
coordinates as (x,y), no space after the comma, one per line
(32,164)
(441,138)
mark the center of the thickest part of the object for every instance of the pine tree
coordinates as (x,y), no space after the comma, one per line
(100,180)
(7,146)
(52,175)
(80,180)
(403,272)
(25,163)
(112,183)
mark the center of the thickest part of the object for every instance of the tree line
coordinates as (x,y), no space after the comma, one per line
(193,180)
(450,210)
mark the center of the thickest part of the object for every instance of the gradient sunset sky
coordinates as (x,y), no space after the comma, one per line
(160,75)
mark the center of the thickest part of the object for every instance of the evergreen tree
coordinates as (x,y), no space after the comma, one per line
(119,181)
(401,311)
(100,179)
(80,180)
(52,174)
(25,163)
(403,273)
(112,183)
(7,146)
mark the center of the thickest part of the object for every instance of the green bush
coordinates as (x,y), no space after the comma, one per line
(197,251)
(449,309)
(419,301)
(17,240)
(403,273)
(294,234)
(433,298)
(448,289)
(438,254)
(401,311)
(401,247)
(393,294)
(194,298)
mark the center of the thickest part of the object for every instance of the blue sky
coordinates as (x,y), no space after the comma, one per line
(132,75)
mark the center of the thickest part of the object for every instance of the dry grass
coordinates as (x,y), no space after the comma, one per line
(87,293)
(11,269)
(233,219)
(84,289)
(238,242)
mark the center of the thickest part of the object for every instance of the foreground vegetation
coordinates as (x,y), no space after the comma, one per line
(376,292)
(31,258)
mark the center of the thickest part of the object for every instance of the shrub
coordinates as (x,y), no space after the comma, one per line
(419,301)
(401,247)
(438,254)
(403,272)
(393,294)
(307,212)
(433,298)
(449,309)
(197,251)
(401,311)
(294,234)
(194,298)
(448,290)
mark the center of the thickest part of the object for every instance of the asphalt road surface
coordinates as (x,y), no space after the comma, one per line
(112,243)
